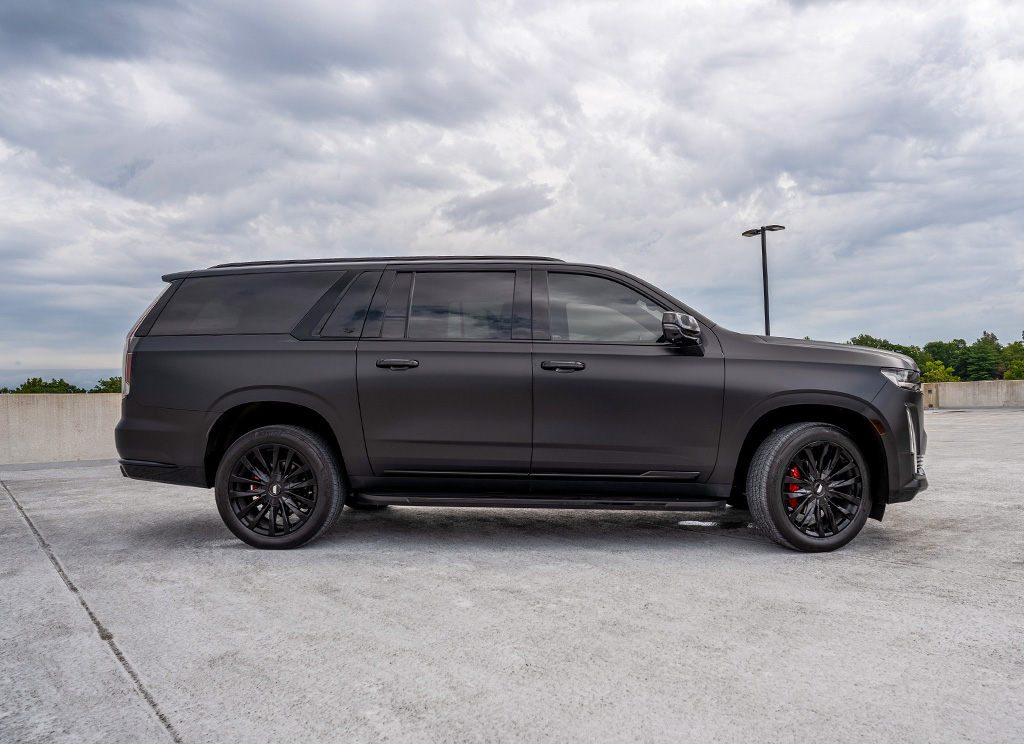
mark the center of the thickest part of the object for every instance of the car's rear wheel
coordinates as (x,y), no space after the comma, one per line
(808,487)
(279,487)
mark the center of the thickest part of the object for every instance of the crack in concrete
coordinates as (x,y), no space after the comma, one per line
(105,635)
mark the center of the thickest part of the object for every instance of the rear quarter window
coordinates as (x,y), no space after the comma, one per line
(242,303)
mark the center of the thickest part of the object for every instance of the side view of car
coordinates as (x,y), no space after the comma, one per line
(296,388)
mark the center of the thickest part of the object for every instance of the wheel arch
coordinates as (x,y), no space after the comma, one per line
(246,417)
(859,426)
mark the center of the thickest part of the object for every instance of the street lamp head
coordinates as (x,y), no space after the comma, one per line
(751,233)
(774,228)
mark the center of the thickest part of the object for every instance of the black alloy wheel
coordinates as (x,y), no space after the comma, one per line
(272,490)
(822,489)
(808,487)
(279,487)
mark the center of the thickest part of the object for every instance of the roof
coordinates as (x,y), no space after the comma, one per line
(384,259)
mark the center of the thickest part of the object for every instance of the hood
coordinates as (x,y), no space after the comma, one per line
(883,357)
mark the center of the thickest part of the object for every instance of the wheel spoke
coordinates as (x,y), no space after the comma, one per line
(809,465)
(300,471)
(853,498)
(842,484)
(259,516)
(287,462)
(826,471)
(308,503)
(273,459)
(831,515)
(246,509)
(244,494)
(292,486)
(263,462)
(847,466)
(243,479)
(841,509)
(259,474)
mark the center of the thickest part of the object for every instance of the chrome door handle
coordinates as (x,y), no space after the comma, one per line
(397,364)
(563,366)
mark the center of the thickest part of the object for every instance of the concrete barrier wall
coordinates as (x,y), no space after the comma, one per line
(58,428)
(988,394)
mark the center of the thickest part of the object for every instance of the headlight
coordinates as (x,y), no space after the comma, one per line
(908,379)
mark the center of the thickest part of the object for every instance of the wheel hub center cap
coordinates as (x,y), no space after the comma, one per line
(275,490)
(819,489)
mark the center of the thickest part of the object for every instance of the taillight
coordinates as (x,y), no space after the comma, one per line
(126,373)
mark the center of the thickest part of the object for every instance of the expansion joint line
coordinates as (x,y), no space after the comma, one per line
(105,635)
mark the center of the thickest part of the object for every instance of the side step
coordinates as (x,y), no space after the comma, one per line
(507,502)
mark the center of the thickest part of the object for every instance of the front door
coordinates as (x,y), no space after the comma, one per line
(446,387)
(609,399)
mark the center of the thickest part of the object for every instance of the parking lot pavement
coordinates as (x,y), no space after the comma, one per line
(436,624)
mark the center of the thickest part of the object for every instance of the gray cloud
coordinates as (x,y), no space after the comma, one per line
(497,207)
(137,139)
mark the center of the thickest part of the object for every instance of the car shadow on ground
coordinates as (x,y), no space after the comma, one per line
(430,528)
(550,528)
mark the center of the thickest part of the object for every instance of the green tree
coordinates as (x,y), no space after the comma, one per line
(109,385)
(1012,353)
(951,353)
(1015,371)
(983,357)
(938,372)
(920,356)
(35,385)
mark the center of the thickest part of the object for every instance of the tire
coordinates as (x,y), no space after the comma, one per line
(808,487)
(275,500)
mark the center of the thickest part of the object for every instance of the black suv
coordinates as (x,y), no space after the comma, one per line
(295,388)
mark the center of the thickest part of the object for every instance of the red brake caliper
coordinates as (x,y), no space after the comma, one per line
(793,487)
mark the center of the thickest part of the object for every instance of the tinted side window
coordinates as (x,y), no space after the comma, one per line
(242,303)
(347,318)
(462,304)
(592,308)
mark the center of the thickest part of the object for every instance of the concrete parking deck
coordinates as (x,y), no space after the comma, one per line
(129,613)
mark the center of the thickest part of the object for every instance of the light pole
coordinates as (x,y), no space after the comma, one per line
(764,264)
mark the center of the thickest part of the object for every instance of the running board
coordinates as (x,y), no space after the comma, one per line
(409,499)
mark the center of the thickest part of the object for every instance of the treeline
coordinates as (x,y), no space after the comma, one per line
(956,360)
(36,385)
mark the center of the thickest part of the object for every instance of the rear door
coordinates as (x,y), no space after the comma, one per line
(444,373)
(610,400)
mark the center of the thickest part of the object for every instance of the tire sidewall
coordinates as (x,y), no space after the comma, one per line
(777,471)
(322,463)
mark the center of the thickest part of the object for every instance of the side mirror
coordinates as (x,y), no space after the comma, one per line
(681,329)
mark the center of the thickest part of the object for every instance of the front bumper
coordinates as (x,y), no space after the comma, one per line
(910,489)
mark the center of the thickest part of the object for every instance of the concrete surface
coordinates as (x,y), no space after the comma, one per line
(424,625)
(53,428)
(984,394)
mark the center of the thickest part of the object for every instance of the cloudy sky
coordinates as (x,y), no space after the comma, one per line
(142,138)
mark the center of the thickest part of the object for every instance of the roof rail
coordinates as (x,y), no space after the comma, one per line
(381,259)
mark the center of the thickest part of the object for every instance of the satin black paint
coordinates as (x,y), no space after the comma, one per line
(522,420)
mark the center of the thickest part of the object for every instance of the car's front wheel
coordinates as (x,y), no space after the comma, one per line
(808,487)
(279,487)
